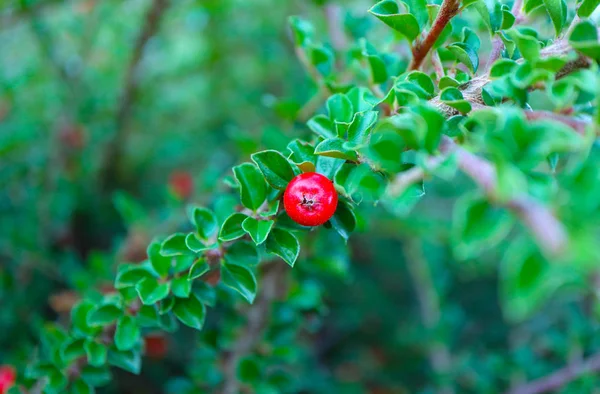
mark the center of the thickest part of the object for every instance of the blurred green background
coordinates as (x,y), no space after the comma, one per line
(101,102)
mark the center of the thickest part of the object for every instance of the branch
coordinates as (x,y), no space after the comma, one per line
(545,228)
(257,315)
(559,378)
(577,125)
(335,26)
(114,150)
(447,11)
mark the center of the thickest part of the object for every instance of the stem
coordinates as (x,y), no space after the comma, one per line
(559,378)
(577,125)
(545,228)
(257,315)
(447,11)
(437,64)
(335,25)
(114,151)
(429,307)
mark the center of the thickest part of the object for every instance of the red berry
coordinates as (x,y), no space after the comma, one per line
(310,199)
(156,345)
(182,184)
(8,376)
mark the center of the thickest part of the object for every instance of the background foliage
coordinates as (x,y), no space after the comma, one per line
(462,257)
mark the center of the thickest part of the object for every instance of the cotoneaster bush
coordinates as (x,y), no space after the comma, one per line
(463,131)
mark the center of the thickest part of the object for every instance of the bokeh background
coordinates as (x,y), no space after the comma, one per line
(110,108)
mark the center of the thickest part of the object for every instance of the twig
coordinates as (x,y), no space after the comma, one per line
(448,10)
(559,378)
(577,125)
(545,228)
(258,315)
(114,149)
(437,64)
(404,179)
(335,25)
(496,52)
(429,307)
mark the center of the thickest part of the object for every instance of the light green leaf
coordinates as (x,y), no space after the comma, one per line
(232,227)
(129,360)
(205,222)
(181,287)
(335,147)
(96,353)
(127,334)
(257,229)
(151,291)
(199,268)
(253,189)
(389,13)
(555,10)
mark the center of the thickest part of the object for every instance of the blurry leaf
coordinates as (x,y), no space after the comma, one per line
(72,350)
(276,169)
(127,333)
(555,10)
(96,353)
(322,126)
(151,291)
(328,166)
(205,222)
(502,67)
(130,210)
(181,287)
(79,315)
(240,279)
(339,108)
(130,274)
(196,245)
(199,268)
(584,38)
(528,46)
(402,204)
(174,245)
(587,7)
(103,315)
(385,150)
(129,360)
(253,189)
(283,244)
(81,387)
(190,311)
(301,29)
(446,81)
(257,229)
(454,98)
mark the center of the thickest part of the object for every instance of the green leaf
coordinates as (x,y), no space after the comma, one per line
(502,67)
(174,245)
(199,268)
(127,334)
(454,98)
(334,147)
(402,203)
(585,39)
(240,279)
(418,8)
(205,222)
(72,350)
(328,165)
(130,210)
(181,287)
(96,353)
(322,126)
(531,5)
(423,81)
(344,221)
(81,387)
(528,46)
(242,253)
(257,229)
(161,263)
(96,376)
(361,126)
(385,150)
(151,291)
(79,315)
(446,81)
(466,55)
(190,311)
(129,275)
(362,99)
(193,243)
(587,7)
(339,108)
(303,155)
(276,169)
(253,189)
(283,244)
(555,10)
(104,315)
(232,227)
(129,360)
(56,382)
(302,30)
(478,226)
(388,12)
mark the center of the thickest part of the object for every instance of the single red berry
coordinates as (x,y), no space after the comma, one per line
(182,184)
(156,345)
(8,376)
(310,199)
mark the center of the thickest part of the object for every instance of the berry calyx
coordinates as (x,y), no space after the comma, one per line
(310,199)
(8,376)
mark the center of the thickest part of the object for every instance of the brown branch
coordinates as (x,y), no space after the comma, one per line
(447,11)
(559,378)
(257,315)
(114,150)
(577,125)
(548,231)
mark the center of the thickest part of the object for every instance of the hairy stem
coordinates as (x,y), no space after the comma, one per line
(447,11)
(114,151)
(559,378)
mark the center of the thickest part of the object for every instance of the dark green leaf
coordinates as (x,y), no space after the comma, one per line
(361,126)
(96,353)
(388,12)
(232,227)
(253,189)
(344,221)
(242,253)
(276,169)
(181,287)
(240,279)
(587,7)
(283,244)
(127,334)
(103,315)
(257,229)
(151,291)
(322,126)
(190,311)
(334,147)
(129,360)
(205,222)
(174,245)
(199,268)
